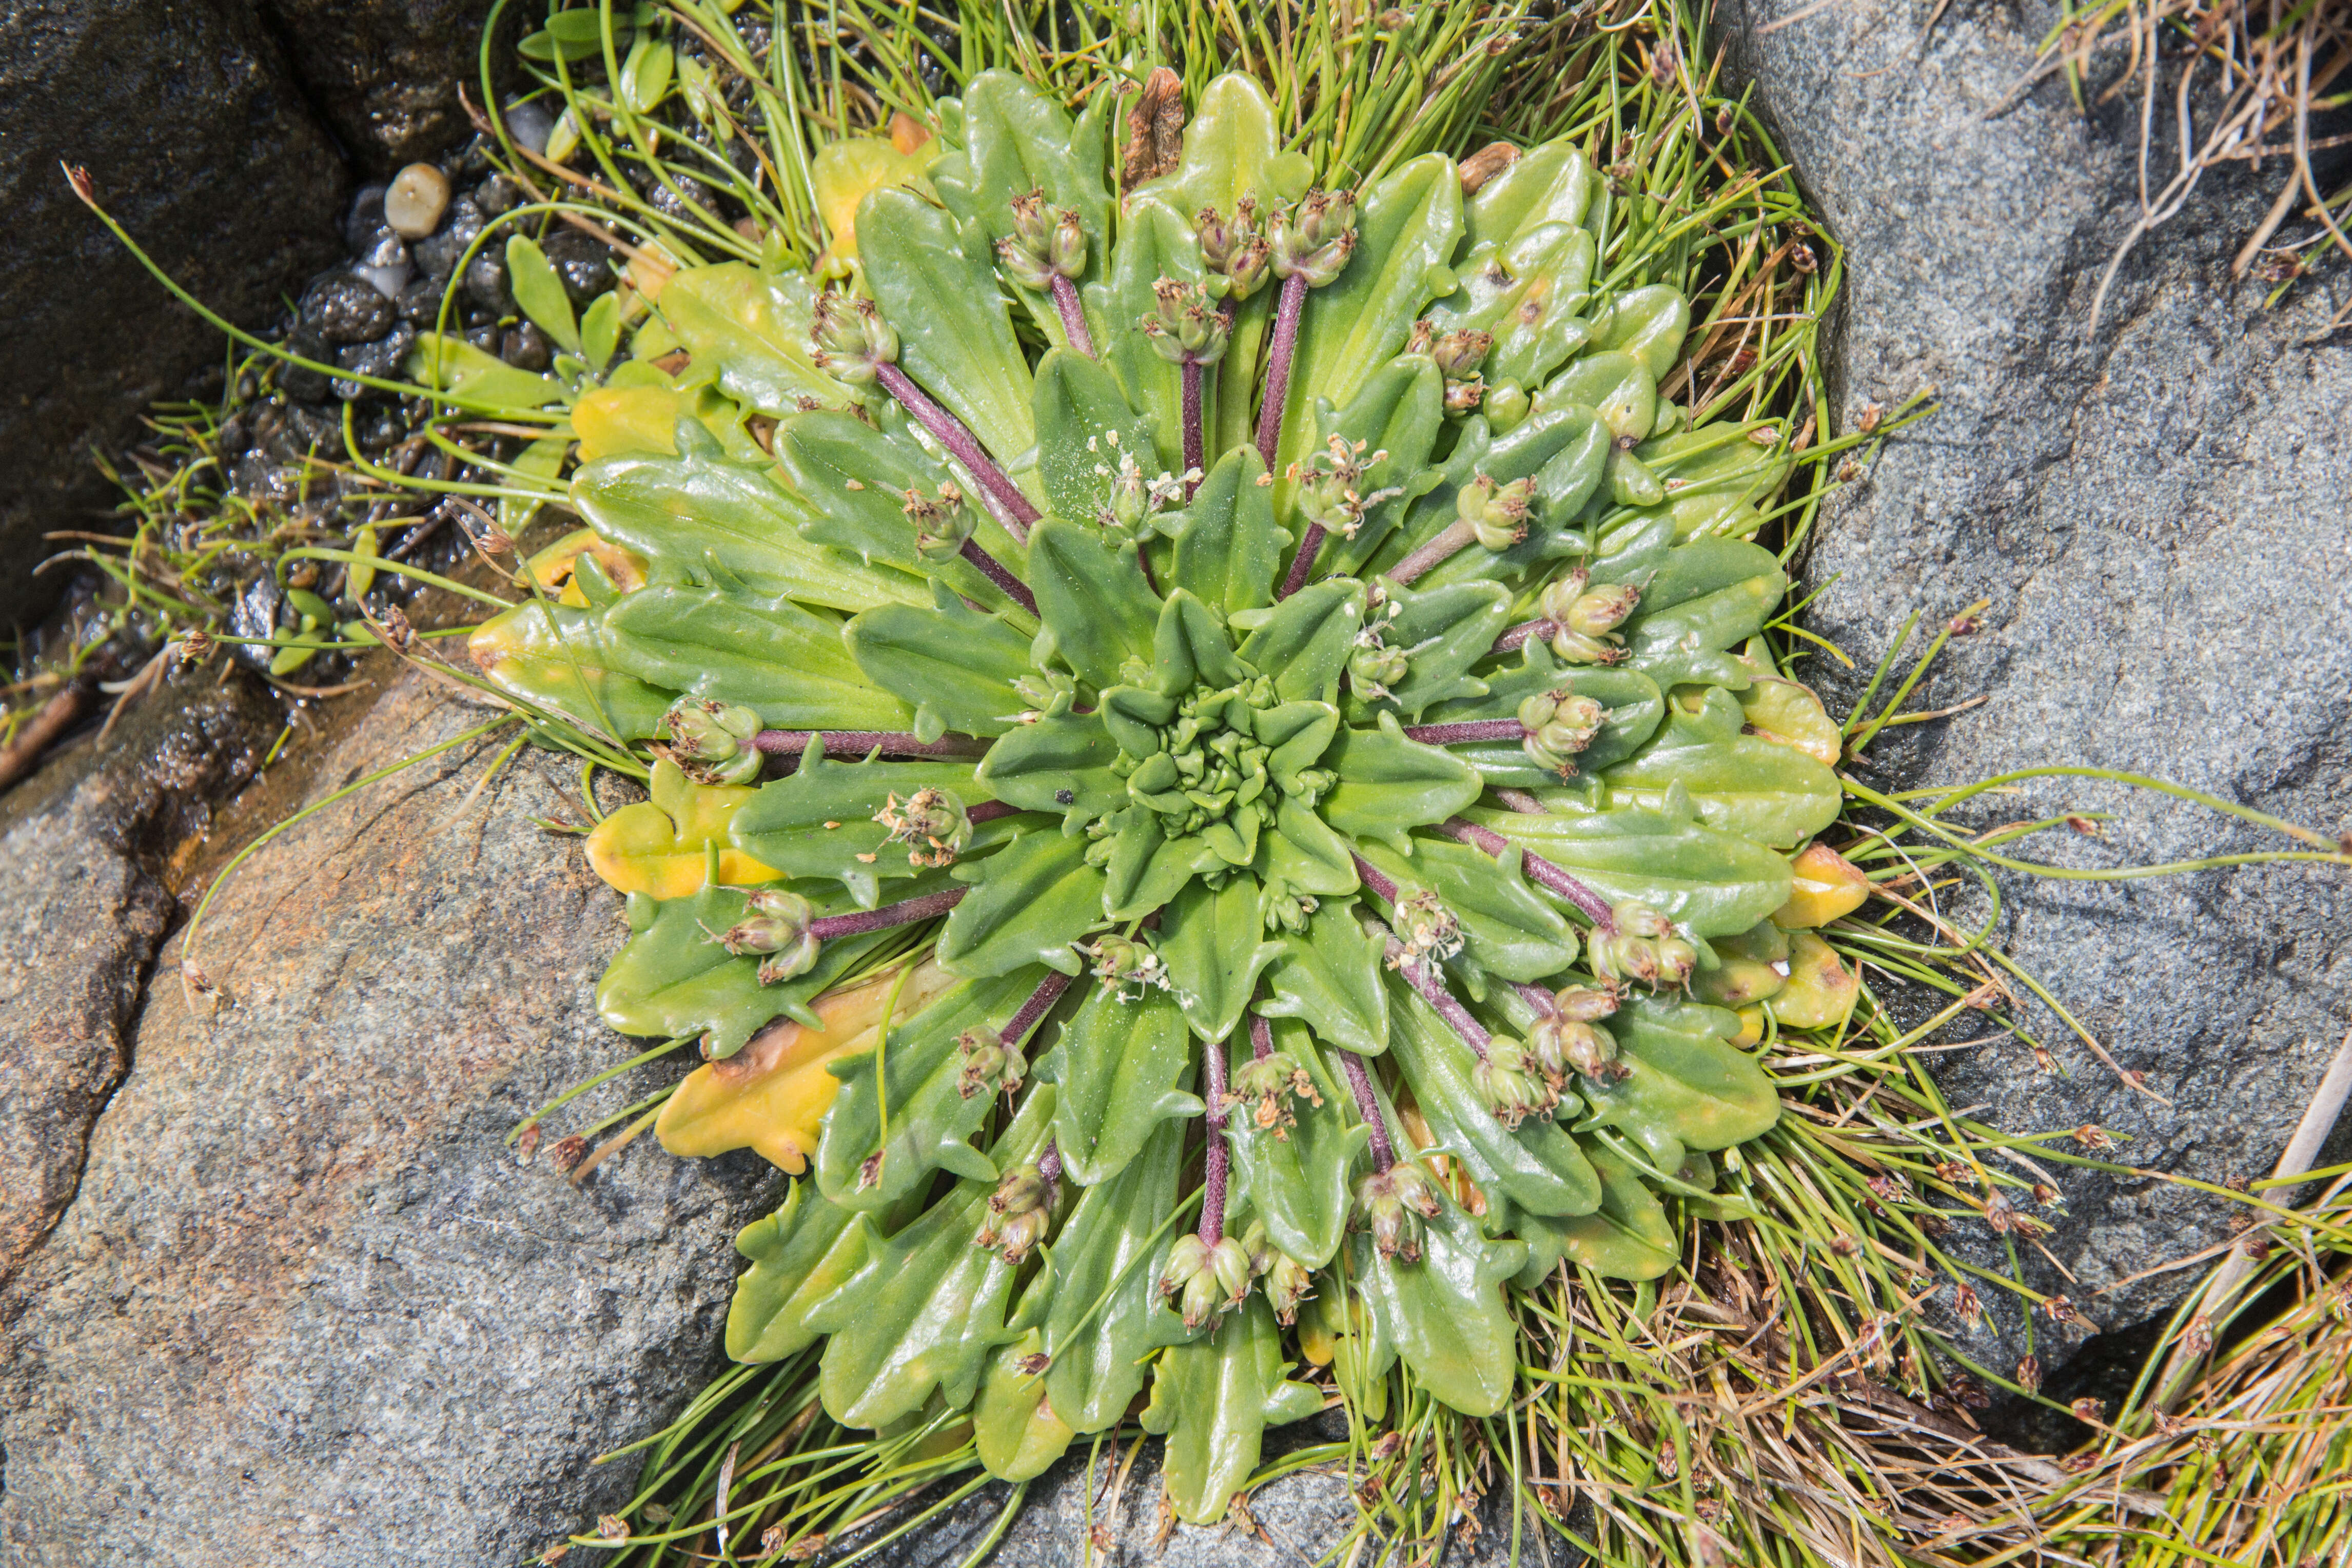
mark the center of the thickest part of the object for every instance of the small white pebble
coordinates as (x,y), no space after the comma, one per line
(419,194)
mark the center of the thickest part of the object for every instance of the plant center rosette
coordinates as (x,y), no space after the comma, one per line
(1220,796)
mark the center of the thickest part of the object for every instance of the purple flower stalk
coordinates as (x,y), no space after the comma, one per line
(1073,318)
(1460,734)
(1277,370)
(909,911)
(791,744)
(1368,1106)
(1006,502)
(1217,1158)
(1538,869)
(994,570)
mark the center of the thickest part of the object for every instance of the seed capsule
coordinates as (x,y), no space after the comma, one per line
(851,338)
(1272,1080)
(1184,324)
(1392,1203)
(1498,514)
(942,522)
(1513,1087)
(774,925)
(1204,1279)
(1313,237)
(988,1063)
(712,741)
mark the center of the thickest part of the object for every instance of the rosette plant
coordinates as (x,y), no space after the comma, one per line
(1219,796)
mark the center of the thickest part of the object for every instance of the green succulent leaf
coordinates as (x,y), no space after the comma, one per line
(672,977)
(1303,642)
(1508,929)
(819,821)
(1446,1314)
(1061,762)
(920,1067)
(1100,1328)
(935,280)
(1741,784)
(1411,221)
(539,292)
(1233,148)
(751,330)
(1214,1399)
(1122,1063)
(800,1254)
(557,657)
(1551,183)
(1014,1431)
(927,1306)
(1093,600)
(785,662)
(1085,428)
(1389,783)
(1629,1236)
(1536,1165)
(453,365)
(1688,1087)
(956,666)
(1443,632)
(1328,976)
(1190,647)
(1229,550)
(1297,1178)
(1715,883)
(1155,242)
(700,518)
(1033,898)
(855,483)
(1212,943)
(1647,323)
(1631,698)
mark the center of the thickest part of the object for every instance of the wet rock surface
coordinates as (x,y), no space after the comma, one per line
(385,73)
(2160,513)
(307,1305)
(199,141)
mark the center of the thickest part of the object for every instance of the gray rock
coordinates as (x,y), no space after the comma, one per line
(2161,515)
(307,1305)
(341,309)
(77,944)
(198,141)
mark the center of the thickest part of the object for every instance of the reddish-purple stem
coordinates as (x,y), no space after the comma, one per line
(1516,637)
(1450,540)
(1049,1168)
(1033,1012)
(1073,318)
(930,906)
(1538,869)
(1216,1158)
(990,810)
(1424,979)
(1143,565)
(1304,561)
(1010,506)
(791,744)
(1368,1106)
(1261,1038)
(994,570)
(1536,996)
(1193,446)
(1277,367)
(1475,730)
(1374,879)
(1523,803)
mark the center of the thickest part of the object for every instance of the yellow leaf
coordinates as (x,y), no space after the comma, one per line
(552,567)
(1827,886)
(1821,992)
(662,847)
(1786,712)
(845,172)
(771,1095)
